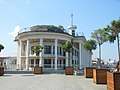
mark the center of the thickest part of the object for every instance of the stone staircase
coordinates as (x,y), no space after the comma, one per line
(19,72)
(52,71)
(45,71)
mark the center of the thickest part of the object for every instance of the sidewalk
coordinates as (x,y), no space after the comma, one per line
(47,82)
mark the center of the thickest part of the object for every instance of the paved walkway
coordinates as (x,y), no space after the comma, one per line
(47,82)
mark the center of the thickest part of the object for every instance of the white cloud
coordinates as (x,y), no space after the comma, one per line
(15,32)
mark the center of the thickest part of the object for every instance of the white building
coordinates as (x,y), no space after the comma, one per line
(51,38)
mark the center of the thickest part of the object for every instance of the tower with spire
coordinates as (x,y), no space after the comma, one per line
(72,27)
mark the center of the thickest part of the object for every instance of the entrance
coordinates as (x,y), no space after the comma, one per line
(47,63)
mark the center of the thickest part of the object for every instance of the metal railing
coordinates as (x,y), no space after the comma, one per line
(24,30)
(66,31)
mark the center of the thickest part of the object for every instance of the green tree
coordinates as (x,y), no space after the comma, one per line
(67,47)
(114,30)
(1,47)
(37,49)
(100,36)
(90,45)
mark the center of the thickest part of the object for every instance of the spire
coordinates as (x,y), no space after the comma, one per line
(71,19)
(72,27)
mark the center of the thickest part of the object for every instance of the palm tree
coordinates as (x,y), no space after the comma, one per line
(1,47)
(37,49)
(90,45)
(100,36)
(114,30)
(67,47)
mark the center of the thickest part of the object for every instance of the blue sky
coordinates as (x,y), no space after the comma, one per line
(89,15)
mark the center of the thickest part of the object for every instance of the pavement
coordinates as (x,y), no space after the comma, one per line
(48,82)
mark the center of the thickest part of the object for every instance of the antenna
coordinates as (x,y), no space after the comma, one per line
(72,27)
(71,19)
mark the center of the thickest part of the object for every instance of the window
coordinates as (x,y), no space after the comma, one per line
(57,50)
(75,62)
(37,53)
(47,63)
(75,52)
(64,53)
(72,61)
(47,49)
(53,61)
(72,51)
(60,51)
(32,63)
(31,49)
(53,49)
(73,32)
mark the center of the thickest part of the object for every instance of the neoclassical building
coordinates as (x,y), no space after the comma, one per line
(51,38)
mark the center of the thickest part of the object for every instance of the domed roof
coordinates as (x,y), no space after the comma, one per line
(44,28)
(47,28)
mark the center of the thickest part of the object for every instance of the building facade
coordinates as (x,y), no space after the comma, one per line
(51,38)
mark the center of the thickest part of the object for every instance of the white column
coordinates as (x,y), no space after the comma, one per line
(22,51)
(51,49)
(70,58)
(56,54)
(62,63)
(43,63)
(84,63)
(80,55)
(62,51)
(30,50)
(58,63)
(40,60)
(58,50)
(83,58)
(27,55)
(66,59)
(34,62)
(20,54)
(51,63)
